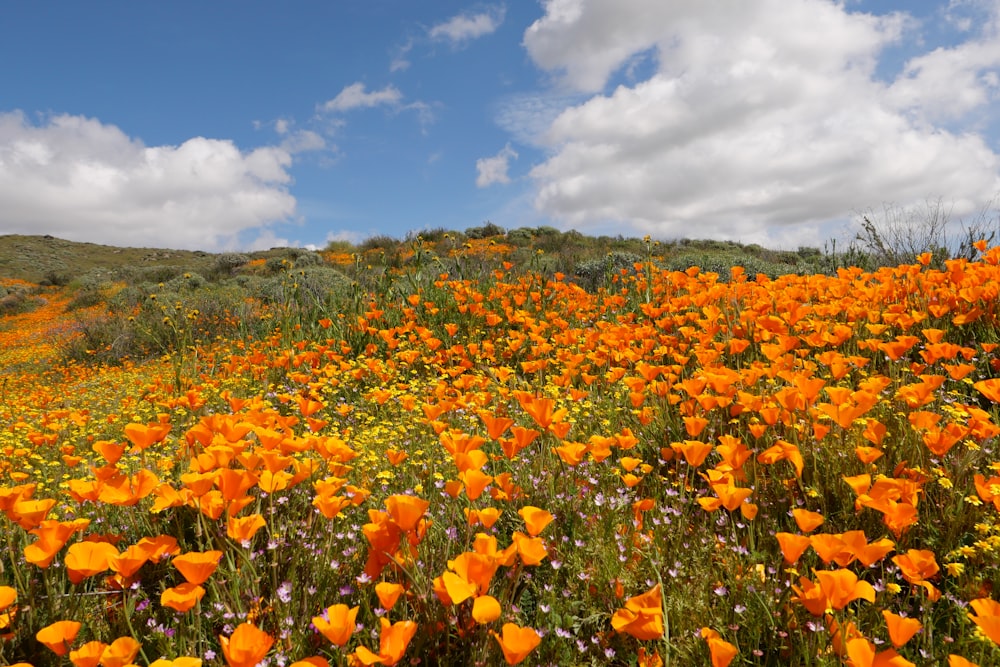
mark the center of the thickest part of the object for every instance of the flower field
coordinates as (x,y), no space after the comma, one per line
(675,468)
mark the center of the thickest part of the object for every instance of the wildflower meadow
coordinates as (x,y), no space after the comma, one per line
(469,460)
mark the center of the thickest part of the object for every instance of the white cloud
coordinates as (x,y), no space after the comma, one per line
(267,239)
(425,114)
(302,141)
(762,121)
(527,117)
(948,83)
(80,179)
(355,96)
(465,27)
(400,62)
(492,170)
(351,236)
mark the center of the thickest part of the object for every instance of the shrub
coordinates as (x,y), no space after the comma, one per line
(594,273)
(311,285)
(226,263)
(485,231)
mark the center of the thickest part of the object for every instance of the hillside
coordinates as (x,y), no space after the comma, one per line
(39,258)
(47,259)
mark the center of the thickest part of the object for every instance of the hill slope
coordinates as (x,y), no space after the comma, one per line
(37,258)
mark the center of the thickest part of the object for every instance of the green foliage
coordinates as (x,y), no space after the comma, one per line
(309,286)
(149,321)
(226,263)
(485,231)
(17,299)
(723,262)
(594,273)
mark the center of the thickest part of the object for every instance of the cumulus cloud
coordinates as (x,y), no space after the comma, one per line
(761,121)
(465,27)
(950,83)
(492,170)
(355,96)
(81,179)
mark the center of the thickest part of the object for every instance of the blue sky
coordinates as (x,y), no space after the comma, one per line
(230,125)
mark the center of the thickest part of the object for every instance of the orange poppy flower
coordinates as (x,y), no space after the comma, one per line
(120,653)
(234,484)
(453,589)
(842,587)
(792,546)
(840,634)
(807,521)
(58,636)
(475,482)
(8,596)
(917,566)
(339,624)
(182,597)
(485,609)
(649,659)
(473,459)
(29,514)
(866,553)
(535,519)
(406,511)
(729,495)
(861,653)
(810,596)
(720,651)
(495,426)
(516,642)
(394,640)
(901,629)
(330,505)
(571,453)
(388,593)
(52,536)
(111,451)
(867,454)
(475,572)
(959,661)
(314,661)
(783,451)
(987,617)
(88,655)
(531,549)
(874,432)
(129,561)
(542,410)
(522,437)
(243,529)
(85,559)
(831,547)
(694,451)
(384,535)
(487,517)
(144,436)
(986,487)
(396,456)
(246,646)
(167,496)
(989,388)
(196,566)
(158,547)
(642,616)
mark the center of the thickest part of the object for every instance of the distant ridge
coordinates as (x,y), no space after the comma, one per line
(37,258)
